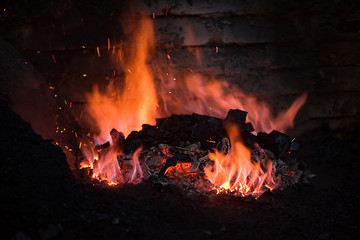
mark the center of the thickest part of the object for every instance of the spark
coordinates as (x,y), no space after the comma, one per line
(53,58)
(98,51)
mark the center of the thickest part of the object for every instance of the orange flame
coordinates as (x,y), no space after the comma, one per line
(137,174)
(235,172)
(104,166)
(126,108)
(197,94)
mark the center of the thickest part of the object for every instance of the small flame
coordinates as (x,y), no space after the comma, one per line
(236,173)
(105,166)
(137,174)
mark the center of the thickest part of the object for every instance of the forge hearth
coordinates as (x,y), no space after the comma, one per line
(70,68)
(183,150)
(148,91)
(49,202)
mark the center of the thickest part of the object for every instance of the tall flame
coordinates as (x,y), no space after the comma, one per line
(129,106)
(125,108)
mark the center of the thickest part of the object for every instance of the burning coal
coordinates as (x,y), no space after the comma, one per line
(211,149)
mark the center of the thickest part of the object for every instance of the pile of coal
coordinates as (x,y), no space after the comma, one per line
(177,147)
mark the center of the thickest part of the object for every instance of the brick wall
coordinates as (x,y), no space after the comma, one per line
(275,49)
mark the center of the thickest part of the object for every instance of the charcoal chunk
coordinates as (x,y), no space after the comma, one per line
(277,142)
(102,147)
(149,130)
(118,139)
(171,162)
(294,147)
(249,127)
(181,157)
(223,146)
(282,142)
(266,141)
(235,115)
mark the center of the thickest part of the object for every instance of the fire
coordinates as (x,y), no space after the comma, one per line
(237,174)
(129,106)
(126,106)
(105,167)
(197,94)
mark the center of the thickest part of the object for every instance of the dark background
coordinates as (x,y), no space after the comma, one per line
(274,49)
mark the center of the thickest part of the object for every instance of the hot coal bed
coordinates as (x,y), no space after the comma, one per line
(176,151)
(42,197)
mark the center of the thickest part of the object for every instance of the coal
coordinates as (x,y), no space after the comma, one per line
(223,146)
(199,128)
(189,138)
(133,141)
(118,139)
(175,130)
(149,130)
(238,116)
(266,141)
(102,147)
(277,142)
(294,147)
(249,127)
(282,142)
